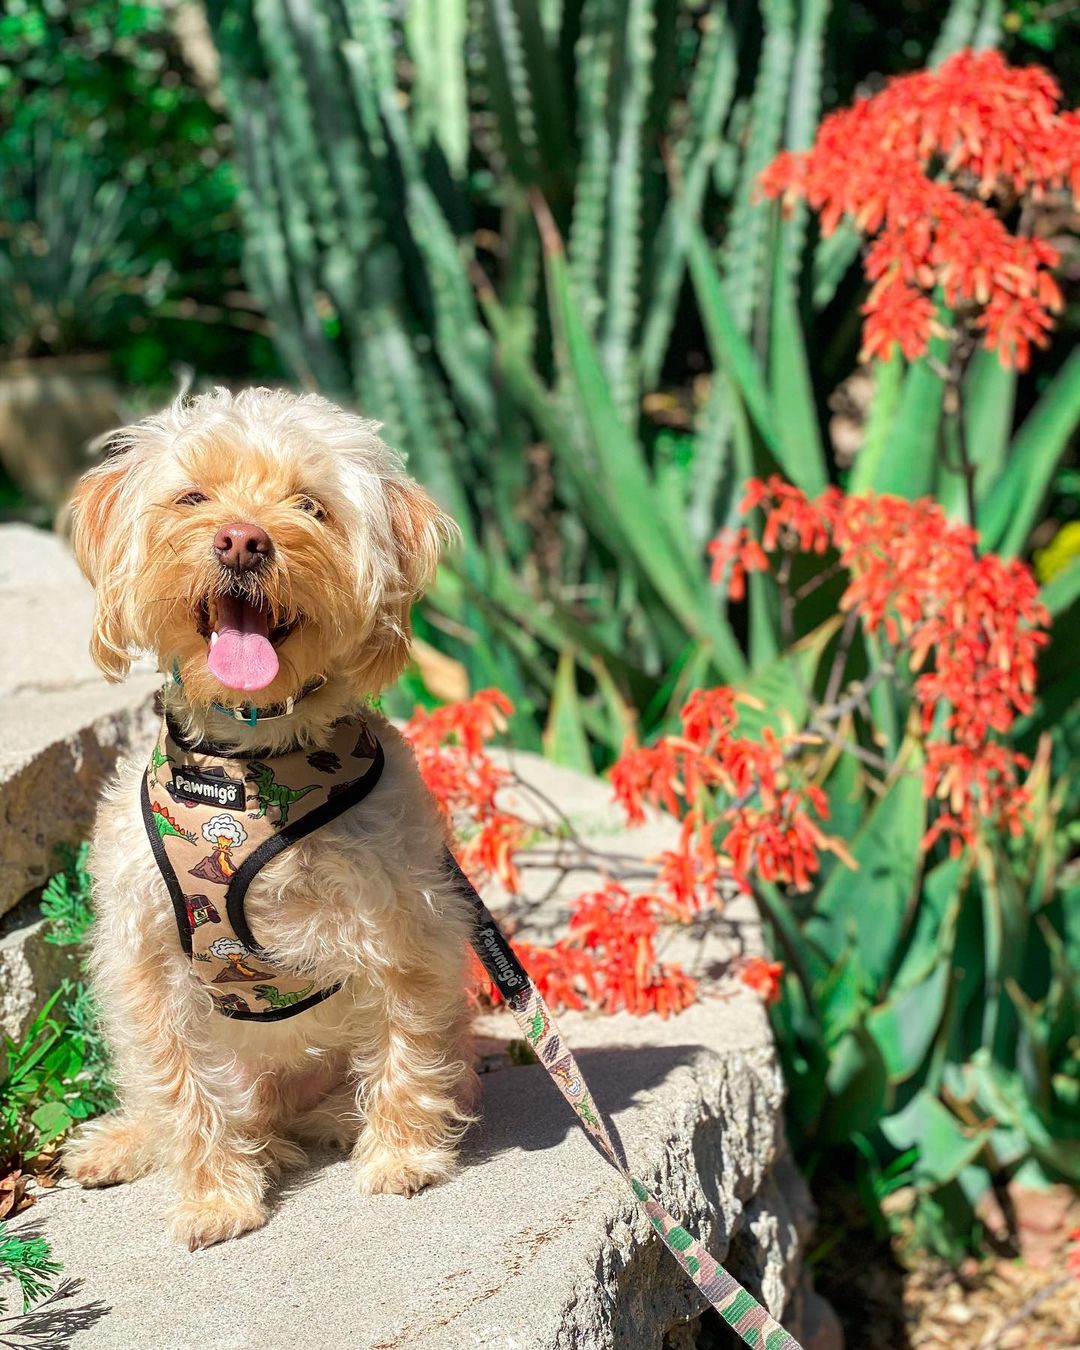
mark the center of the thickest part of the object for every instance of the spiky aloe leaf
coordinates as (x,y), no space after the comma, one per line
(594,58)
(435,34)
(745,248)
(709,101)
(1012,508)
(623,263)
(524,87)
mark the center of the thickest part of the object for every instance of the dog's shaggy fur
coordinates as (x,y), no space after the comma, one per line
(383,1066)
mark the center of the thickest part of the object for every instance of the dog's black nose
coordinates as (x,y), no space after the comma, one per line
(242,547)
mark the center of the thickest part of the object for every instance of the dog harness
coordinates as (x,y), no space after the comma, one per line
(214,818)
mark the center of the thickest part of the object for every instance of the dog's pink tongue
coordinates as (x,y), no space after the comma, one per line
(241,656)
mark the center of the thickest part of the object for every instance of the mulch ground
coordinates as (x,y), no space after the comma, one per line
(1021,1295)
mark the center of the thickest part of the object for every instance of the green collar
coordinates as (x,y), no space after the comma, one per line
(250,713)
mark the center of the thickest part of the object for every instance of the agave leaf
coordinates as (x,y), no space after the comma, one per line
(904,1026)
(730,350)
(944,1145)
(621,713)
(795,411)
(858,1085)
(1012,508)
(657,543)
(867,906)
(565,740)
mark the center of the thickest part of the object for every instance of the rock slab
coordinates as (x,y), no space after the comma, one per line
(62,730)
(536,1243)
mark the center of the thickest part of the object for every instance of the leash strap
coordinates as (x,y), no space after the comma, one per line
(739,1309)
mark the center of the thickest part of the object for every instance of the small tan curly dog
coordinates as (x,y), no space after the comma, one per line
(271,544)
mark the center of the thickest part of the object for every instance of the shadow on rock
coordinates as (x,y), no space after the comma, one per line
(52,1324)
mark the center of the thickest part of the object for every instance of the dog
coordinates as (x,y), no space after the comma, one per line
(265,548)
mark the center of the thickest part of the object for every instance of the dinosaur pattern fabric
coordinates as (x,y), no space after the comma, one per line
(214,818)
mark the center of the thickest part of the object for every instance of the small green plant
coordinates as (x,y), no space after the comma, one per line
(28,1261)
(66,902)
(57,1074)
(40,1096)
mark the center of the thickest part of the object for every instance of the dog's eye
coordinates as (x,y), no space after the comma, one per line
(192,499)
(311,507)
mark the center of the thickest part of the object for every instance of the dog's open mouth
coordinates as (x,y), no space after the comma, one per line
(242,639)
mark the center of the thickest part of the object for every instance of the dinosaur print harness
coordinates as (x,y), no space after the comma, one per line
(214,817)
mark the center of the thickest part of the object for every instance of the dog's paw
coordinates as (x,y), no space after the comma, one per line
(108,1151)
(384,1171)
(208,1219)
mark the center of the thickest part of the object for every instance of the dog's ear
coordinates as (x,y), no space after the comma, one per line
(421,531)
(100,543)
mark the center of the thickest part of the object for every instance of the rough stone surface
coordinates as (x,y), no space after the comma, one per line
(536,1243)
(62,727)
(30,967)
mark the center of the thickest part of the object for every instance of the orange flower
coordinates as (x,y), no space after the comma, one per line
(927,168)
(764,977)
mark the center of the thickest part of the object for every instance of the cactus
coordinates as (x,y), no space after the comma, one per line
(393,218)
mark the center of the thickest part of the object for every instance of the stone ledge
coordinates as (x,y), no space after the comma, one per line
(536,1243)
(63,727)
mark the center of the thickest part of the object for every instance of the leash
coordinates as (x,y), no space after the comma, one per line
(739,1309)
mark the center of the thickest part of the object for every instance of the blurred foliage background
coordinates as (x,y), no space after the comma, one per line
(525,236)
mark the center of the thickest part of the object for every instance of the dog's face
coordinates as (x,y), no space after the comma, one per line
(257,541)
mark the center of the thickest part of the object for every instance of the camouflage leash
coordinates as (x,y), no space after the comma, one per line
(740,1310)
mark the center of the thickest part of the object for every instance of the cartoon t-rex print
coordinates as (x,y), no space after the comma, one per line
(271,793)
(277,999)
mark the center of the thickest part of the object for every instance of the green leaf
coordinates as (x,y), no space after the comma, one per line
(934,928)
(944,1146)
(658,544)
(858,1084)
(905,460)
(1012,509)
(795,412)
(905,1025)
(781,687)
(1063,590)
(867,907)
(565,740)
(50,1120)
(731,352)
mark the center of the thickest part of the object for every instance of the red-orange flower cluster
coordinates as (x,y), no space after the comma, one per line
(765,824)
(609,960)
(927,168)
(449,747)
(971,626)
(763,976)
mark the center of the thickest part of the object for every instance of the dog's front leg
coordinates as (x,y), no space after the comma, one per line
(415,1083)
(189,1101)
